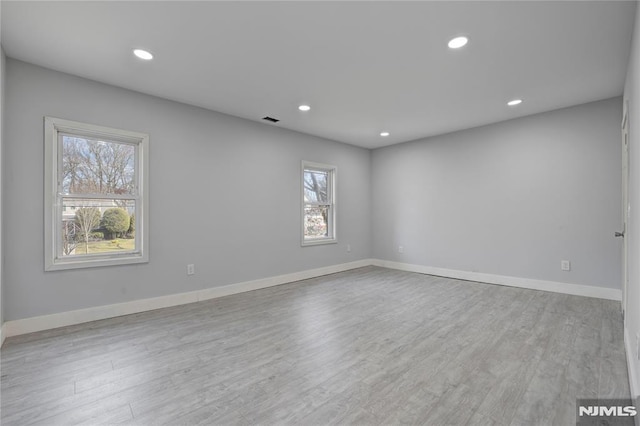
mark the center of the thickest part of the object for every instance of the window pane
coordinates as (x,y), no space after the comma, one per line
(97,167)
(316,222)
(97,226)
(315,186)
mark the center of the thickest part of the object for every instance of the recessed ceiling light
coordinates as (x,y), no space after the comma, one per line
(384,134)
(143,54)
(304,107)
(514,102)
(458,42)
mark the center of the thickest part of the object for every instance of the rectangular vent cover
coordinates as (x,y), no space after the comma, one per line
(271,119)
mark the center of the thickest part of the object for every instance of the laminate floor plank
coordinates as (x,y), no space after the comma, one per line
(613,366)
(370,346)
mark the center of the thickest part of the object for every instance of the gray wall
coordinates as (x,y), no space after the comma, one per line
(513,198)
(2,110)
(632,95)
(225,195)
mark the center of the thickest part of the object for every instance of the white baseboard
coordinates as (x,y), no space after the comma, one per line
(632,365)
(556,287)
(62,319)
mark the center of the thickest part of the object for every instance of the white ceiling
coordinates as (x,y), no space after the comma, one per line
(364,67)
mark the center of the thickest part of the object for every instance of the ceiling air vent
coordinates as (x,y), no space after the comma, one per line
(271,119)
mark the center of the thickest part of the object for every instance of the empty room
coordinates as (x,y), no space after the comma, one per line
(319,212)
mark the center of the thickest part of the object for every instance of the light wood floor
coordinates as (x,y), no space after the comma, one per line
(368,346)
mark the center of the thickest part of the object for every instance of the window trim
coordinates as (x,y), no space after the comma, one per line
(53,127)
(333,232)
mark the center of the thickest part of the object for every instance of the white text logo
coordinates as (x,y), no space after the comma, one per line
(606,411)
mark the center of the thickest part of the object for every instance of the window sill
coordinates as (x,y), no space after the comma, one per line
(319,242)
(61,265)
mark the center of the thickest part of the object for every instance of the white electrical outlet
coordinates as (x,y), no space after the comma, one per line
(565,265)
(400,249)
(191,269)
(348,248)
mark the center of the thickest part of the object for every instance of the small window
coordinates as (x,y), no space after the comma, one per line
(318,203)
(96,195)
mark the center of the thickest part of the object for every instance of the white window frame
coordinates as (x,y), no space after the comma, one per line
(331,238)
(53,195)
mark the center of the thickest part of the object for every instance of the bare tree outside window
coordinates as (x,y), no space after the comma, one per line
(315,185)
(97,167)
(70,236)
(87,219)
(94,167)
(315,191)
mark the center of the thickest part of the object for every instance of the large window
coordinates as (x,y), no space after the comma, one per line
(318,203)
(95,195)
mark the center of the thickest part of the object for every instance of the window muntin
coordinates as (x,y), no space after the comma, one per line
(95,205)
(318,203)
